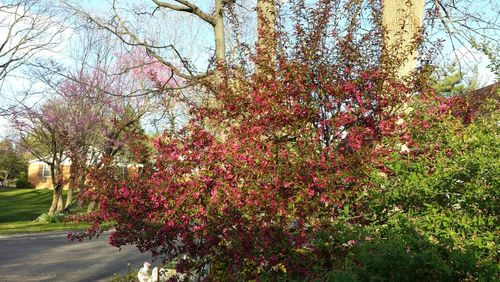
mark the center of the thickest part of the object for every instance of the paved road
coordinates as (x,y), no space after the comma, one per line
(52,257)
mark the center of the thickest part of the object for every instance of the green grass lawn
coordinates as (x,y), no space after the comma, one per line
(20,207)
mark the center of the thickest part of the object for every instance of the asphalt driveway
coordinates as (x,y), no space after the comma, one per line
(52,257)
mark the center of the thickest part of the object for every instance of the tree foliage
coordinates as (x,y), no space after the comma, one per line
(12,162)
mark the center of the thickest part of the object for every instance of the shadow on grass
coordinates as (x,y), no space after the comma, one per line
(20,207)
(23,204)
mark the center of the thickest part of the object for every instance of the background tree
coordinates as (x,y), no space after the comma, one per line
(267,14)
(401,23)
(42,138)
(451,82)
(460,24)
(168,53)
(28,28)
(12,162)
(492,52)
(108,97)
(92,111)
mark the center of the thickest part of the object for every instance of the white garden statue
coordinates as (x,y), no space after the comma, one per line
(146,275)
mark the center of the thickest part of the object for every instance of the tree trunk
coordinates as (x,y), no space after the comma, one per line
(81,187)
(91,206)
(60,201)
(69,196)
(401,23)
(220,43)
(266,40)
(57,204)
(6,178)
(73,172)
(57,200)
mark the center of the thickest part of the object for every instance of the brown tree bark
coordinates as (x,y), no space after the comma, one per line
(401,23)
(57,204)
(266,30)
(57,198)
(220,42)
(6,178)
(71,188)
(216,20)
(76,179)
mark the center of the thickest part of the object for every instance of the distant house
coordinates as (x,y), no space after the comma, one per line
(39,172)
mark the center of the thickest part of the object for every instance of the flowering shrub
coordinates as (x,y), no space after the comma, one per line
(250,180)
(285,157)
(257,183)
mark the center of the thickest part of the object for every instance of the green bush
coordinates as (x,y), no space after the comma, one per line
(400,253)
(450,195)
(46,218)
(22,182)
(129,277)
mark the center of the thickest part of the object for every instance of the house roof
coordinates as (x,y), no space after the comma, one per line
(477,97)
(92,151)
(66,161)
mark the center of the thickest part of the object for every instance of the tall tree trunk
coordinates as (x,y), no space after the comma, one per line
(60,200)
(266,41)
(73,178)
(401,23)
(71,187)
(81,186)
(220,43)
(57,199)
(6,178)
(57,204)
(220,60)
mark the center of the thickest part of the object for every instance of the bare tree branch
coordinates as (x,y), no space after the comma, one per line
(187,7)
(27,28)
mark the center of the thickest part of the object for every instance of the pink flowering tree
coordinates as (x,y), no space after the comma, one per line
(106,106)
(41,136)
(89,118)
